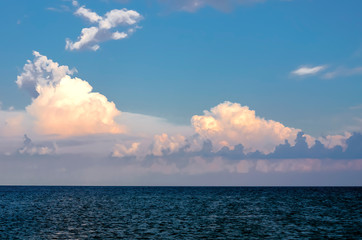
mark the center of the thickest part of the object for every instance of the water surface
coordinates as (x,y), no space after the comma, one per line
(180,212)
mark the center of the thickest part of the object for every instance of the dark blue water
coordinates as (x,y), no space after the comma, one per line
(180,213)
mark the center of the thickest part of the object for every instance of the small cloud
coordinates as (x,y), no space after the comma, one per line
(305,71)
(122,150)
(75,3)
(91,37)
(62,8)
(343,72)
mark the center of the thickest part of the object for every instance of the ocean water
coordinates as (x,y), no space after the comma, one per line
(180,212)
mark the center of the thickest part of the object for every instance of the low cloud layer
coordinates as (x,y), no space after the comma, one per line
(176,159)
(104,29)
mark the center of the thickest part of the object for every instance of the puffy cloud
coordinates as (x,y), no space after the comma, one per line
(41,72)
(160,145)
(304,71)
(229,124)
(332,141)
(88,14)
(117,17)
(64,105)
(121,150)
(92,36)
(163,144)
(87,38)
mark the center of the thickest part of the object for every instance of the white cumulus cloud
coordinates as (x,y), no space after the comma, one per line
(64,105)
(41,72)
(229,124)
(102,31)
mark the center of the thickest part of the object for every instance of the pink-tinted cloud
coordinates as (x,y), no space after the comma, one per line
(229,124)
(66,106)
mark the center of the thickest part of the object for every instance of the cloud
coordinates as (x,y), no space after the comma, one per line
(331,141)
(289,165)
(88,14)
(285,159)
(12,123)
(194,5)
(343,72)
(234,126)
(356,107)
(63,105)
(122,150)
(307,71)
(229,124)
(301,150)
(29,148)
(348,146)
(337,72)
(91,37)
(140,125)
(61,8)
(41,72)
(163,144)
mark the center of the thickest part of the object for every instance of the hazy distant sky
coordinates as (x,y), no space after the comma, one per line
(193,92)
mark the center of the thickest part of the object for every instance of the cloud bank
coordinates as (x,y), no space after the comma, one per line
(104,29)
(227,139)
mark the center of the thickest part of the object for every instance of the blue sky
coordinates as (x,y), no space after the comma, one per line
(181,60)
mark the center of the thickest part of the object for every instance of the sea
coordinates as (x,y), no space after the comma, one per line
(42,212)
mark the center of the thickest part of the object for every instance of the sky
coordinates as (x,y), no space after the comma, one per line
(191,92)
